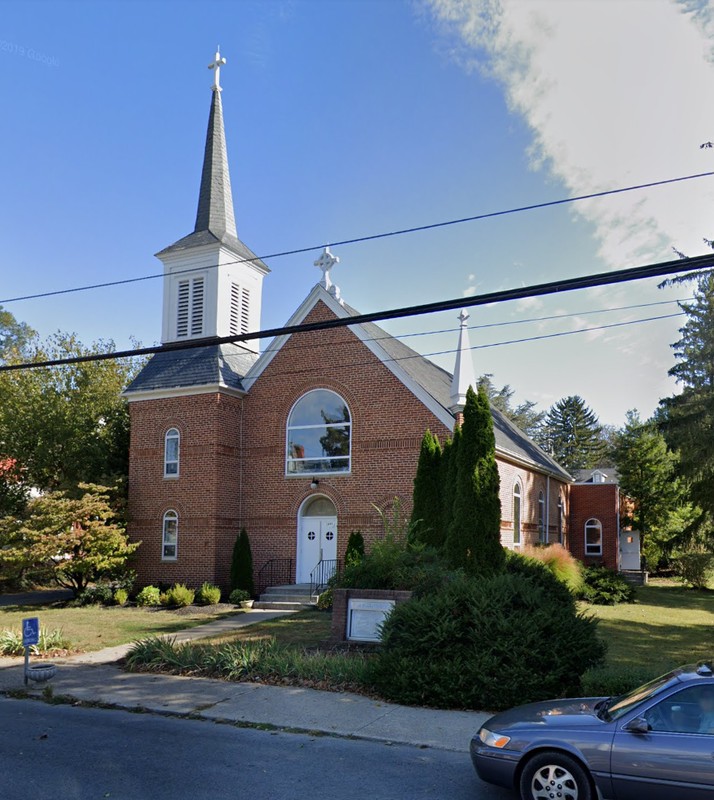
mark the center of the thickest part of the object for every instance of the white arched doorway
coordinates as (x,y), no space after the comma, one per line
(317,536)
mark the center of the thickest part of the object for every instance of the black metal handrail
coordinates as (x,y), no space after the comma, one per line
(276,572)
(322,573)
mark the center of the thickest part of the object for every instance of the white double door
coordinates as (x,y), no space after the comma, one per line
(317,541)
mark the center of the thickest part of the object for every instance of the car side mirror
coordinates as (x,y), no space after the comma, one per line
(637,725)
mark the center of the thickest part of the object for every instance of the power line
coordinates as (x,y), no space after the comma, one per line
(369,238)
(538,290)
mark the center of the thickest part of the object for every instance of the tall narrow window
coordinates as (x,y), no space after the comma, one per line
(542,533)
(517,513)
(189,307)
(169,543)
(319,434)
(171,453)
(561,515)
(593,537)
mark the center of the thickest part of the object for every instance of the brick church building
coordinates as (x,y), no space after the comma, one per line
(298,444)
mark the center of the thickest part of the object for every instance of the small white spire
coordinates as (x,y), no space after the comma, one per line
(218,62)
(463,369)
(326,262)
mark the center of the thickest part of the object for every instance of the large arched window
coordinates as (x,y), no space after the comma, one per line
(319,434)
(593,537)
(542,534)
(516,513)
(171,453)
(169,539)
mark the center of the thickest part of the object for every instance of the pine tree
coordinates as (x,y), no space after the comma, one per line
(426,521)
(242,564)
(689,416)
(474,536)
(572,434)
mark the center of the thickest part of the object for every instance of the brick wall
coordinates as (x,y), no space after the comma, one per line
(232,464)
(595,501)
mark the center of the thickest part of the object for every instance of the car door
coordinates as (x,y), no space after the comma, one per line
(671,760)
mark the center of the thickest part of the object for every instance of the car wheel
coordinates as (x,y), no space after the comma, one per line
(554,776)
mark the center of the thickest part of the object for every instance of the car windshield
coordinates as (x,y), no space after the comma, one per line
(617,706)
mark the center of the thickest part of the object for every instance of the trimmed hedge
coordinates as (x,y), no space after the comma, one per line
(606,587)
(487,644)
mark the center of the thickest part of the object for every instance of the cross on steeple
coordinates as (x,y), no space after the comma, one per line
(216,65)
(463,316)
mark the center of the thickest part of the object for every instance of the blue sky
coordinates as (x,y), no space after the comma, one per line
(347,118)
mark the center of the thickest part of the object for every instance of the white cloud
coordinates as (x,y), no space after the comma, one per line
(615,94)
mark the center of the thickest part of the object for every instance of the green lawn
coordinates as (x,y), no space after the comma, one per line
(95,627)
(667,626)
(309,628)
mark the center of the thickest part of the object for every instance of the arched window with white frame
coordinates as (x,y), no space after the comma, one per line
(169,539)
(319,434)
(517,513)
(172,441)
(593,537)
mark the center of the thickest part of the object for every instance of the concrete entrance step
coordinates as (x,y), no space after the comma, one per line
(286,598)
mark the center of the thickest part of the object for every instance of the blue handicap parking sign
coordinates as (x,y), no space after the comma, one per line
(30,631)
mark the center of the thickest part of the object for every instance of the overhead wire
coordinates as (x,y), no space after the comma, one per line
(370,237)
(702,262)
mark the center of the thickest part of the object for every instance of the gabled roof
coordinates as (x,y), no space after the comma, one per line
(428,382)
(609,475)
(213,366)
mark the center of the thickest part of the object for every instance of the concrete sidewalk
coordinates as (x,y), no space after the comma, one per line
(94,678)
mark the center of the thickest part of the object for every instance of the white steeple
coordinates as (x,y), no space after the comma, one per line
(463,369)
(213,283)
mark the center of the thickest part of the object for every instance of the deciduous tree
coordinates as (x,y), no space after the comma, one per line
(76,541)
(69,424)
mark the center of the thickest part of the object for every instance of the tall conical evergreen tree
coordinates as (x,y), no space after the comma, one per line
(448,470)
(474,536)
(426,502)
(242,564)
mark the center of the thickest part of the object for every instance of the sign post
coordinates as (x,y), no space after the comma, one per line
(30,636)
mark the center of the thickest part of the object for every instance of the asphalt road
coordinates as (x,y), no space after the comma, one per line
(58,751)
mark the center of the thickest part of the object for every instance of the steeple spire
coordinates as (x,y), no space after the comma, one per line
(215,201)
(463,369)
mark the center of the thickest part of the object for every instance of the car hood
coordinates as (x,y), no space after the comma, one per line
(551,713)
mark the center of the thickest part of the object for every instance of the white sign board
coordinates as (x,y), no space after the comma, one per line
(364,618)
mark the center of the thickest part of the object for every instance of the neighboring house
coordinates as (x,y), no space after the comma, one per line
(596,507)
(299,443)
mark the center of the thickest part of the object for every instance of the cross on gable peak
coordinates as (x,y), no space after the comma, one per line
(326,262)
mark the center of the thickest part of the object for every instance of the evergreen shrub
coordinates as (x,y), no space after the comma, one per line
(238,596)
(121,596)
(490,643)
(393,564)
(355,547)
(208,595)
(242,564)
(101,594)
(180,595)
(148,596)
(605,587)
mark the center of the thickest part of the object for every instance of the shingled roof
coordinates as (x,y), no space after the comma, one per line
(215,218)
(222,365)
(510,439)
